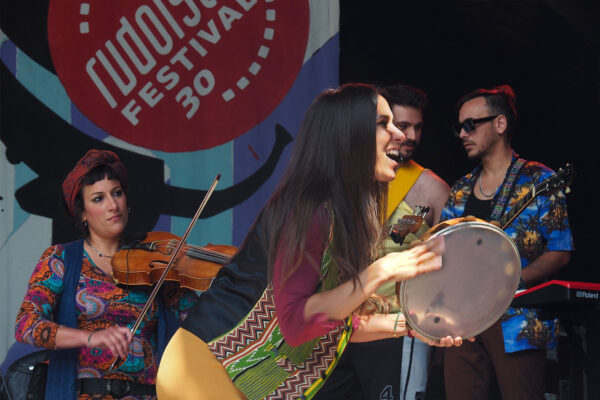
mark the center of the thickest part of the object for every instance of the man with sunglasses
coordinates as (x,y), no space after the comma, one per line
(374,370)
(513,350)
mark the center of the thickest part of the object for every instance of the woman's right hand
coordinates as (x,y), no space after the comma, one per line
(116,339)
(420,259)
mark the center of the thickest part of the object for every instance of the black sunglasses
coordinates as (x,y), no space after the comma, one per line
(469,124)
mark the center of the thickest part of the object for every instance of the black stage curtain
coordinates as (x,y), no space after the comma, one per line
(548,51)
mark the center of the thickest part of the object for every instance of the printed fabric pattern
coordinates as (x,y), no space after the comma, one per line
(100,303)
(263,366)
(542,226)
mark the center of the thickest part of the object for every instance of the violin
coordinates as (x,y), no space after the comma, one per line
(170,248)
(143,262)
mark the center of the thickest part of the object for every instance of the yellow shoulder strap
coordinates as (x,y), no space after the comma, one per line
(406,176)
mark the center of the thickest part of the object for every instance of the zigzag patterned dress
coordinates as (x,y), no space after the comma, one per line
(238,320)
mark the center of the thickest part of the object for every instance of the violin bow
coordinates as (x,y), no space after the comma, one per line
(160,281)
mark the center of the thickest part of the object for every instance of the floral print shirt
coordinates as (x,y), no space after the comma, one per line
(542,226)
(100,304)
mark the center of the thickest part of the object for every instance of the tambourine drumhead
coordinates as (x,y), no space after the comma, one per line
(480,273)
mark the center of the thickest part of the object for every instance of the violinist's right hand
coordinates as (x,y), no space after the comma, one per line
(420,259)
(116,339)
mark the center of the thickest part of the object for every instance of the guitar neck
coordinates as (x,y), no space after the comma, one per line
(522,204)
(557,181)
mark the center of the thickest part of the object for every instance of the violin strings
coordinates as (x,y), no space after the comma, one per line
(194,251)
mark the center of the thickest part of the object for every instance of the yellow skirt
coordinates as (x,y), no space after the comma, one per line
(188,370)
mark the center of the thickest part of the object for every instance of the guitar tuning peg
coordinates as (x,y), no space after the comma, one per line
(567,190)
(552,198)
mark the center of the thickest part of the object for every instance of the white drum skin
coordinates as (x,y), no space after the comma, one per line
(481,269)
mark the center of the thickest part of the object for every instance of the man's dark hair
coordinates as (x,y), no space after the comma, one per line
(500,100)
(404,95)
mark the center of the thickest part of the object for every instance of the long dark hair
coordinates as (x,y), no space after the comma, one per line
(333,162)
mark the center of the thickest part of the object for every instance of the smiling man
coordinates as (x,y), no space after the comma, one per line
(414,186)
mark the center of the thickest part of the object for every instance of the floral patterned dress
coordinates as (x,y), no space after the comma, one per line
(542,226)
(100,303)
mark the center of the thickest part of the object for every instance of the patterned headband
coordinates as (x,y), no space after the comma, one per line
(93,158)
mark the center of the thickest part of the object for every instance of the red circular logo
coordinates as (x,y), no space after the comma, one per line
(177,75)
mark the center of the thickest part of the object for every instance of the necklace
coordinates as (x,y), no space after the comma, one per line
(481,189)
(96,250)
(103,258)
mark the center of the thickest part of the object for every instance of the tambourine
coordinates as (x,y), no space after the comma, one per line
(481,269)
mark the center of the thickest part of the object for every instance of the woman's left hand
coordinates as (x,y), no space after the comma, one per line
(447,341)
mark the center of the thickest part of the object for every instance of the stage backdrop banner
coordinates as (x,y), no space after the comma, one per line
(181,90)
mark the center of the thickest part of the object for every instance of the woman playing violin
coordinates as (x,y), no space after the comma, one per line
(74,306)
(277,317)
